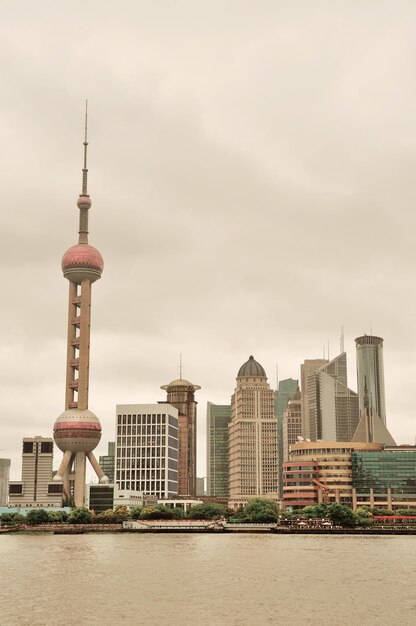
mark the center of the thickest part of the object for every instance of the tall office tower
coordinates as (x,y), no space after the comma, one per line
(181,395)
(292,423)
(4,481)
(107,461)
(147,449)
(218,418)
(308,367)
(77,431)
(333,408)
(370,375)
(36,487)
(287,388)
(252,437)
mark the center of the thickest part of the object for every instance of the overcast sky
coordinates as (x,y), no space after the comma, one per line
(251,168)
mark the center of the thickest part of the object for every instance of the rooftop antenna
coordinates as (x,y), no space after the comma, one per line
(328,349)
(180,366)
(84,169)
(341,341)
(277,376)
(323,351)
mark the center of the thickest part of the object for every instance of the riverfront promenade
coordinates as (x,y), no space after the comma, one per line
(187,526)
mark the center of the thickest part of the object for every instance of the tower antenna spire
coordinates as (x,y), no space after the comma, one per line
(85,169)
(180,366)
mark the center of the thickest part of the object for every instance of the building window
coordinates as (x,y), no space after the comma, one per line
(15,489)
(55,488)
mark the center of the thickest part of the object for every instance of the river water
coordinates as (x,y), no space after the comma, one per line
(224,580)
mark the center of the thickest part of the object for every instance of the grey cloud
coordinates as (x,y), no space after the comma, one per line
(251,171)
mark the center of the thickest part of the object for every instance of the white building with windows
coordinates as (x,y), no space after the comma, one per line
(147,449)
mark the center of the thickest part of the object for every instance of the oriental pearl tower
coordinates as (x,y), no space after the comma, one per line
(77,431)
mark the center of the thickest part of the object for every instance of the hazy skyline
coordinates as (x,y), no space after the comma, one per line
(251,174)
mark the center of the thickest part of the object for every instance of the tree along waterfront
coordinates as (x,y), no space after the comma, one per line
(256,511)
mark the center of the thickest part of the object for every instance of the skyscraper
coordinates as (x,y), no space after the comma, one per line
(147,449)
(292,423)
(218,418)
(287,388)
(36,487)
(252,437)
(77,431)
(308,367)
(181,395)
(332,406)
(370,375)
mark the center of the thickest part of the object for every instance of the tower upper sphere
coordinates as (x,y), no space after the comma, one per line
(81,262)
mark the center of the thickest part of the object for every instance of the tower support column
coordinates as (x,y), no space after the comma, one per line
(84,344)
(79,486)
(70,355)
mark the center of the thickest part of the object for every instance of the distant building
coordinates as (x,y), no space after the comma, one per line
(332,406)
(181,395)
(385,479)
(147,449)
(181,503)
(292,423)
(4,481)
(308,367)
(107,461)
(218,419)
(100,498)
(252,437)
(36,487)
(287,388)
(200,486)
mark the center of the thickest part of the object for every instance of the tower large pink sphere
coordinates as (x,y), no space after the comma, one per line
(77,431)
(82,262)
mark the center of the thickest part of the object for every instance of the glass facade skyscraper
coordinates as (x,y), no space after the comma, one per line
(286,391)
(370,375)
(218,418)
(332,406)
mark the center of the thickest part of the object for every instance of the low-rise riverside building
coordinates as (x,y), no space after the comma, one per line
(321,471)
(36,489)
(102,497)
(385,479)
